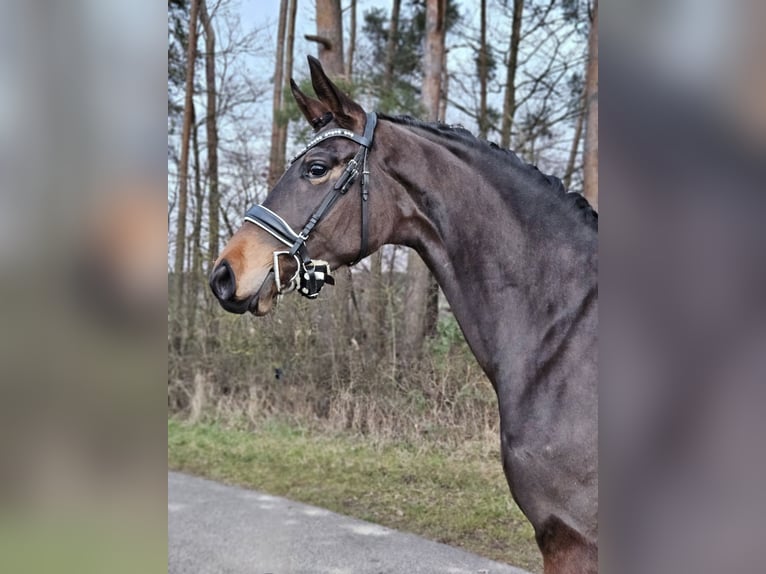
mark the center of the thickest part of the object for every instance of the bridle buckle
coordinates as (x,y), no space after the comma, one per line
(292,284)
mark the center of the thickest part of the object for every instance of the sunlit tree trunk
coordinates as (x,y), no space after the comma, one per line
(329,36)
(590,158)
(509,101)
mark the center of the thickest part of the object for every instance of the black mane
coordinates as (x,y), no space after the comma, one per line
(457,132)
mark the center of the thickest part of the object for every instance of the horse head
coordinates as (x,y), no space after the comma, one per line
(299,215)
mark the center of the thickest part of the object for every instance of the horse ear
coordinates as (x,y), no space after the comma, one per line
(313,110)
(348,114)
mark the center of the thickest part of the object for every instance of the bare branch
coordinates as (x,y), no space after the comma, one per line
(319,40)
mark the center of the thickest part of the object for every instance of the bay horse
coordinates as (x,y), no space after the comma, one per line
(515,254)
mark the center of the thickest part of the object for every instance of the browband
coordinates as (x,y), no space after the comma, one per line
(364,140)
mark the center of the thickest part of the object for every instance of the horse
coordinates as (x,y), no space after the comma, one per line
(515,254)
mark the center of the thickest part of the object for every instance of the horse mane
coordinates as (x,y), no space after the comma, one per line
(575,200)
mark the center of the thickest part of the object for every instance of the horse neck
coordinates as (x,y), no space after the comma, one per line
(515,263)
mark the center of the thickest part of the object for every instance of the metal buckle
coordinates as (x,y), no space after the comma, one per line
(294,280)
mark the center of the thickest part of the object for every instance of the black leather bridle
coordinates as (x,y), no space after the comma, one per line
(311,275)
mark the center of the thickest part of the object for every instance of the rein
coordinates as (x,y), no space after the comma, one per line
(311,275)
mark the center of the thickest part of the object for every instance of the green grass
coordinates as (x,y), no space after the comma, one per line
(458,497)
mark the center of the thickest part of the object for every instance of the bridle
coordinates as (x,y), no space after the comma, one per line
(311,275)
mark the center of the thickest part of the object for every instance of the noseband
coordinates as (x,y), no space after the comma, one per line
(311,275)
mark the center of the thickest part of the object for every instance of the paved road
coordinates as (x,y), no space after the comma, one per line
(219,529)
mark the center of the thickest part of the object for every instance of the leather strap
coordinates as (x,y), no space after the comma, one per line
(369,130)
(269,221)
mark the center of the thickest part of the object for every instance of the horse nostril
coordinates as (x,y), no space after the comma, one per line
(222,281)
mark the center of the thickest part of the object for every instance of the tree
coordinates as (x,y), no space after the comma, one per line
(391,43)
(509,102)
(277,151)
(211,128)
(434,57)
(329,36)
(377,292)
(483,69)
(573,152)
(351,41)
(590,157)
(397,55)
(178,37)
(183,192)
(420,320)
(289,55)
(196,236)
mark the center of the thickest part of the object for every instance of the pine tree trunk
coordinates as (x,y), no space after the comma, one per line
(329,36)
(433,57)
(183,173)
(590,158)
(509,102)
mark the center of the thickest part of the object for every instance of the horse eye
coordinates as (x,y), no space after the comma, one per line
(317,170)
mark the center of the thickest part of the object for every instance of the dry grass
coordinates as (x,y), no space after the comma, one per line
(302,364)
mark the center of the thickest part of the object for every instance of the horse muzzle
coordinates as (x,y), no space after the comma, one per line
(223,284)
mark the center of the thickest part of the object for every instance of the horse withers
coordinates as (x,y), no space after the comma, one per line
(515,254)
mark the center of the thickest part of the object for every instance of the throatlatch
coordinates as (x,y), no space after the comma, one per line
(311,275)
